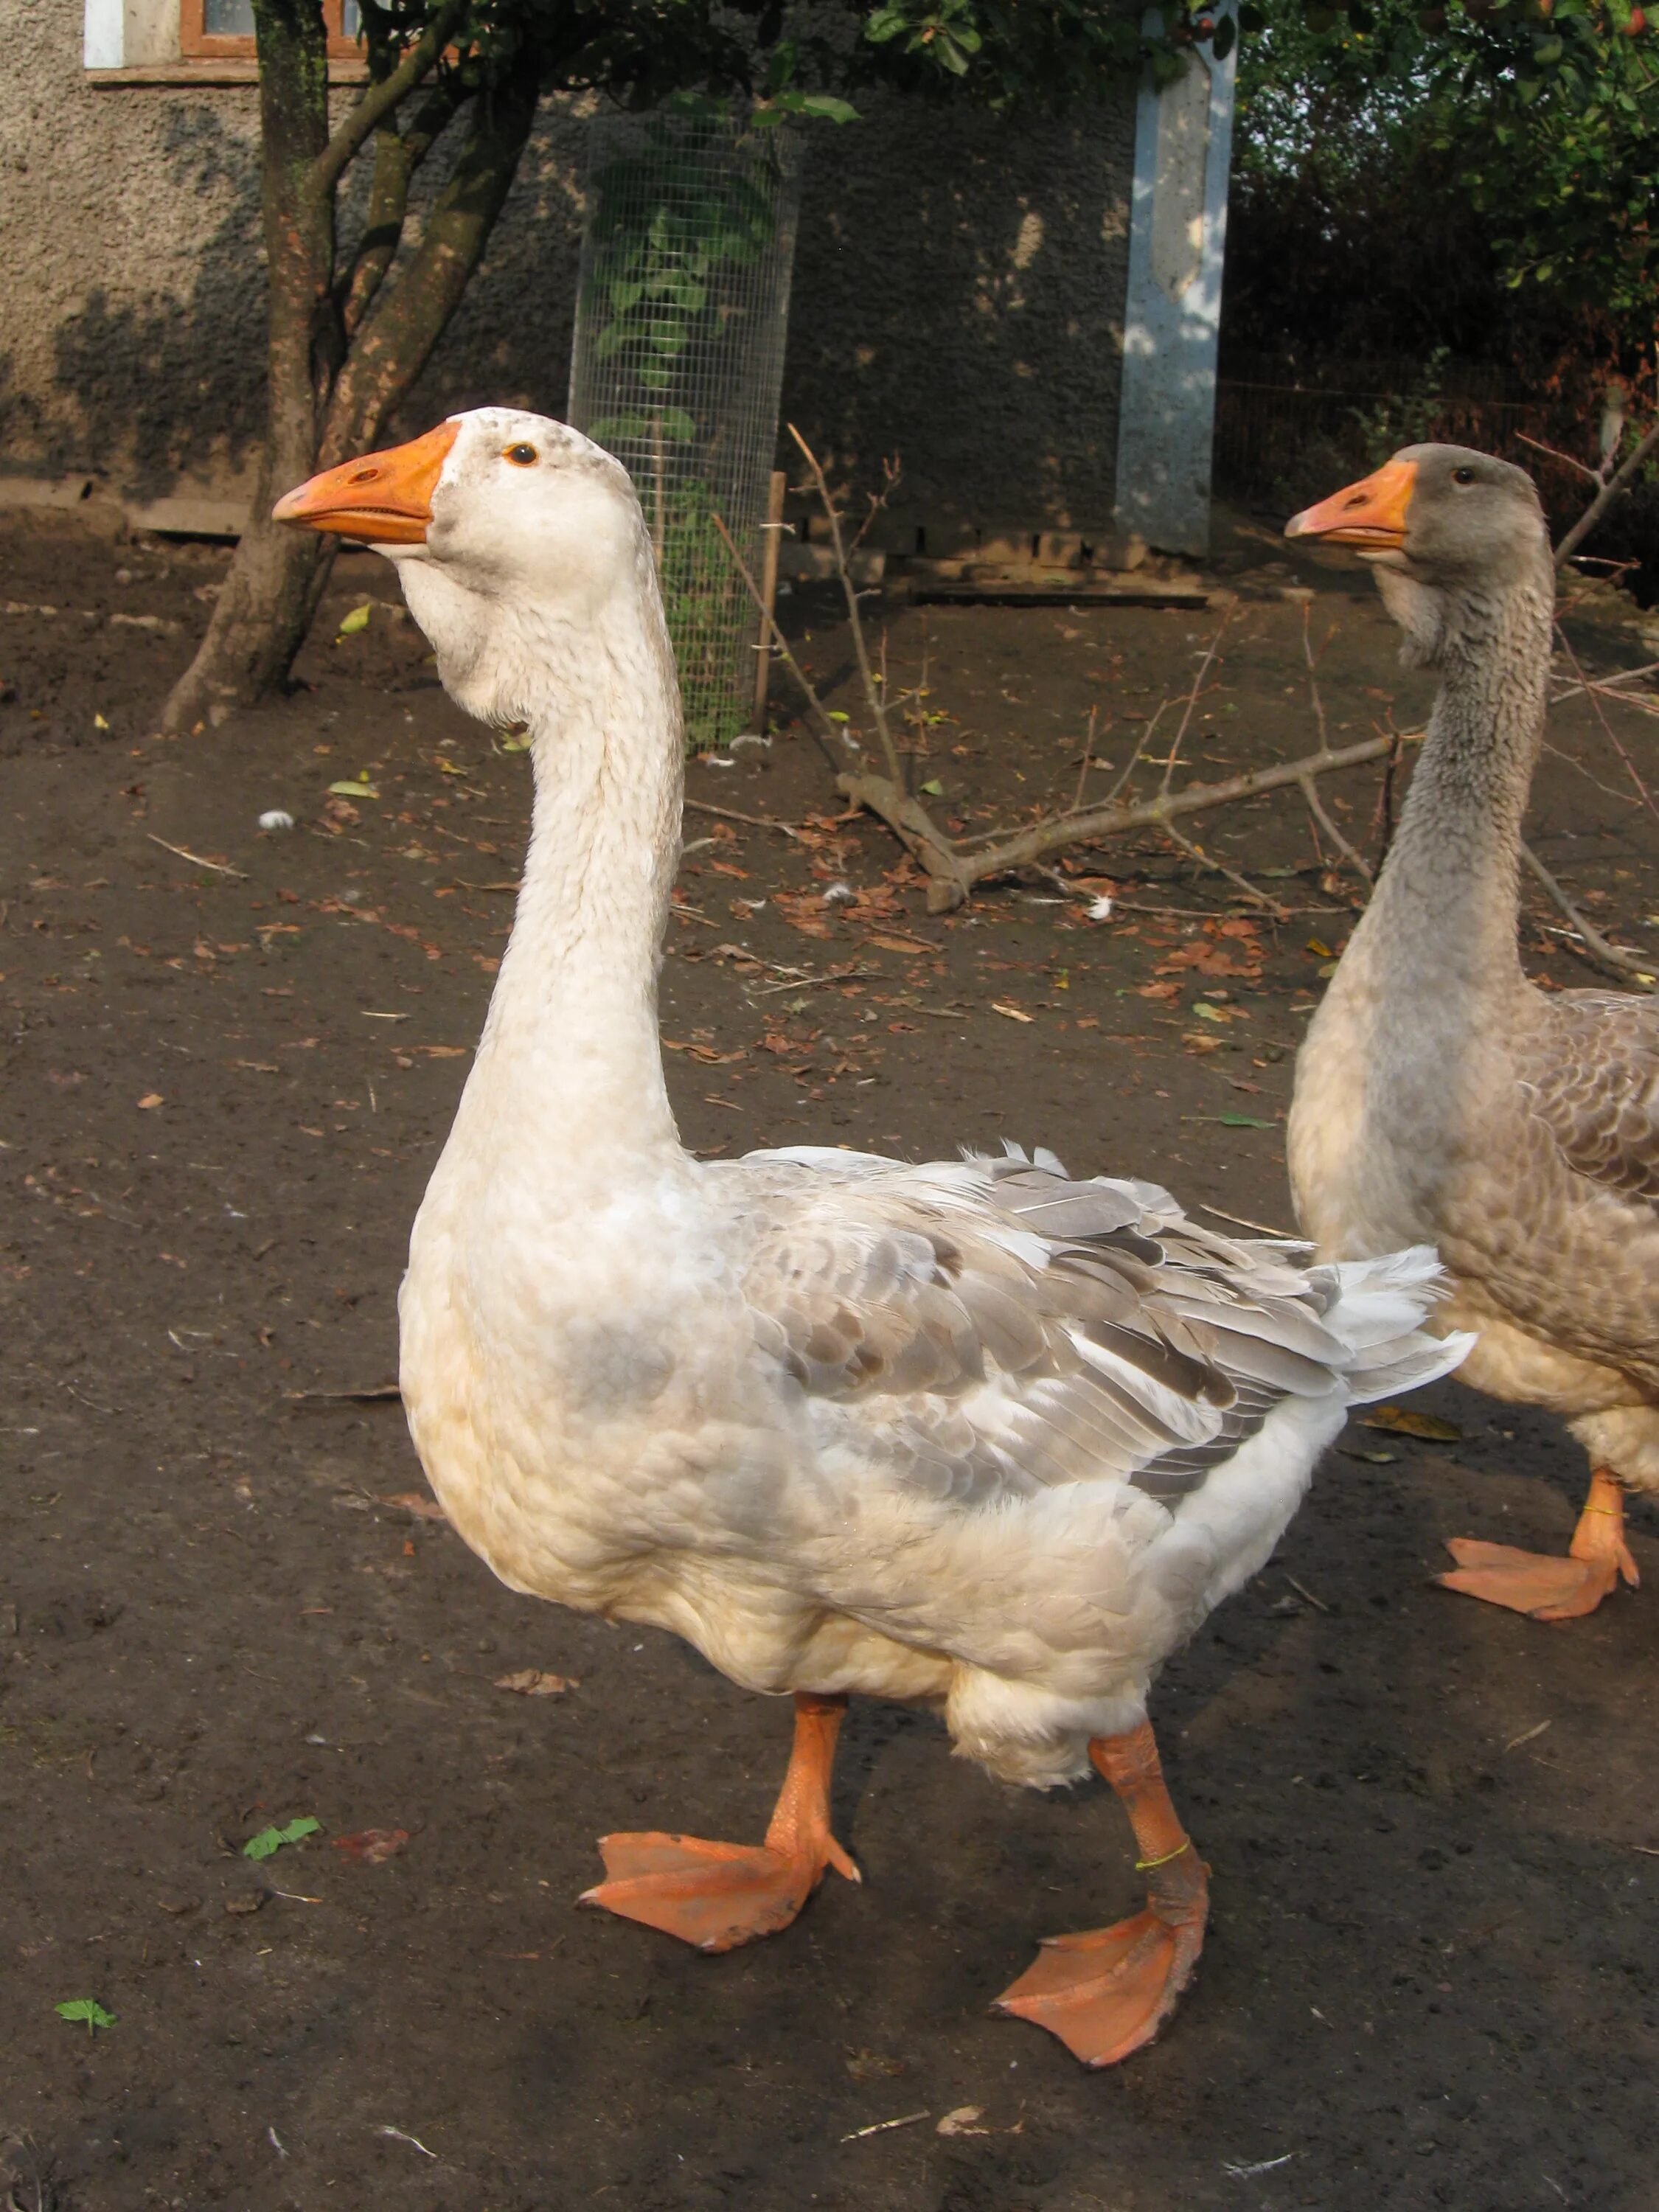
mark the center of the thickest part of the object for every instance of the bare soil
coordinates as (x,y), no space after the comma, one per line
(1430,1979)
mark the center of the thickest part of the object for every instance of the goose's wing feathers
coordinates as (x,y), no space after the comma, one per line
(1590,1071)
(998,1328)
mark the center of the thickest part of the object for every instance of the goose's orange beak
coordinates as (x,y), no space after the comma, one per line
(1371,513)
(384,499)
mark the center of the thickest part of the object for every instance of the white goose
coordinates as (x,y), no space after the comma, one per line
(971,1433)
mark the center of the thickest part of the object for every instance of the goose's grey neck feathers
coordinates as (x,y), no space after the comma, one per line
(1440,1095)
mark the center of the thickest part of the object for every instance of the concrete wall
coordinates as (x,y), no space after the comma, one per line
(958,294)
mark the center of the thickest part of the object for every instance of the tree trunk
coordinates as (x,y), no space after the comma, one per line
(326,400)
(275,581)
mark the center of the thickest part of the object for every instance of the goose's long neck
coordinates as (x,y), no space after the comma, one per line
(570,1052)
(1441,926)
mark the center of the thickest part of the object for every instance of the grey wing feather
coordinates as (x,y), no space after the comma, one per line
(997,1326)
(1589,1068)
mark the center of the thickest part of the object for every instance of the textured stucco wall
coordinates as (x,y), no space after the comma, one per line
(959,287)
(958,293)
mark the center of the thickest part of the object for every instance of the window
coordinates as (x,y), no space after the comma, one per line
(224,28)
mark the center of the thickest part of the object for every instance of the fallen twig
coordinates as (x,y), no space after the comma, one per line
(1612,958)
(368,1397)
(881,2127)
(750,821)
(195,858)
(953,873)
(1220,868)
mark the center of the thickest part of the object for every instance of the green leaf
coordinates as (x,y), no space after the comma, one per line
(87,2009)
(823,104)
(270,1841)
(356,620)
(933,787)
(1241,1121)
(358,787)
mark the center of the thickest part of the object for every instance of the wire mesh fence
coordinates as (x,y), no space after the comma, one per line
(1286,442)
(678,365)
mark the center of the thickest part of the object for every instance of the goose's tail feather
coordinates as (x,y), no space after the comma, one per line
(1380,1311)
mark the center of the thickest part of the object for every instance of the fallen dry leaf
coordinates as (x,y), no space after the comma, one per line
(965,2121)
(1407,1421)
(150,1099)
(1011,1013)
(892,943)
(1208,959)
(531,1683)
(408,1501)
(372,1846)
(871,2066)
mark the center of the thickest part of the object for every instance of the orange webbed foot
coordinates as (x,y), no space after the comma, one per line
(1108,1992)
(719,1895)
(1547,1588)
(1533,1583)
(714,1895)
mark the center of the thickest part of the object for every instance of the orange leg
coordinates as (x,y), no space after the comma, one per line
(1550,1589)
(719,1895)
(1106,1993)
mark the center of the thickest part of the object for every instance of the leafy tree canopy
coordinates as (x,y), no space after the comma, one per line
(799,61)
(1540,116)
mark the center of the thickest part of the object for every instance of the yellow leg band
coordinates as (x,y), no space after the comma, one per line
(1145,1866)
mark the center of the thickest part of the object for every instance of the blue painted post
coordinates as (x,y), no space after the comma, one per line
(1172,310)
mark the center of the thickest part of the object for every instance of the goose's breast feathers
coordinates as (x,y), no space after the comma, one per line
(1588,1069)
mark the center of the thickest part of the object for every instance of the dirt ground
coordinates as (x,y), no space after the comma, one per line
(1429,1978)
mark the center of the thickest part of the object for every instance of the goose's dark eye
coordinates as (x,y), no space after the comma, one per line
(1463,476)
(521,456)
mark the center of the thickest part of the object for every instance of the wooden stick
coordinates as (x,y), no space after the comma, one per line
(827,728)
(769,595)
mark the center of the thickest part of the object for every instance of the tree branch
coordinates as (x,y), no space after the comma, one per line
(379,99)
(872,689)
(1615,488)
(398,155)
(406,319)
